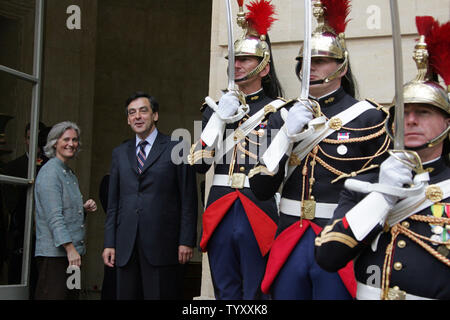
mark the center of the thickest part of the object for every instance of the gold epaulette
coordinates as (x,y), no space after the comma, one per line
(378,106)
(281,98)
(374,103)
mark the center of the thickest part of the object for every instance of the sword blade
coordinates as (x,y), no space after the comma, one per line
(306,61)
(399,139)
(230,47)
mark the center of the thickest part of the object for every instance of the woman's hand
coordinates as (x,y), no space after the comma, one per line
(72,254)
(90,206)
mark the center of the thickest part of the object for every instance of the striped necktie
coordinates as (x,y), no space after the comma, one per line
(141,155)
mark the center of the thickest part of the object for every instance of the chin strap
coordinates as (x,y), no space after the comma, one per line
(334,75)
(432,142)
(429,144)
(257,70)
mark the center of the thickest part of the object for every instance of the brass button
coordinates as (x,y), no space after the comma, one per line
(242,156)
(401,244)
(405,224)
(396,288)
(335,123)
(244,144)
(242,169)
(398,266)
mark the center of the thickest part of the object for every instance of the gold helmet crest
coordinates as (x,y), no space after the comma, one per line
(253,41)
(431,54)
(432,58)
(328,39)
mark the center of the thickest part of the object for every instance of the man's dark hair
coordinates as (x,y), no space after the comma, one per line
(446,152)
(270,83)
(139,94)
(41,127)
(42,133)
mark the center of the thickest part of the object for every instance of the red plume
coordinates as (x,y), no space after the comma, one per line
(260,16)
(425,24)
(240,3)
(438,44)
(336,13)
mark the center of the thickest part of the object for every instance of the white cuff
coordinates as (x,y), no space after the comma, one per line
(367,214)
(276,150)
(214,129)
(300,136)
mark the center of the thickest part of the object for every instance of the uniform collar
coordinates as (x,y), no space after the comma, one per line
(255,97)
(331,98)
(438,165)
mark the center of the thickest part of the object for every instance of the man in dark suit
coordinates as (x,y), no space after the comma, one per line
(151,222)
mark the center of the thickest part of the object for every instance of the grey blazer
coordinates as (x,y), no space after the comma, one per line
(59,210)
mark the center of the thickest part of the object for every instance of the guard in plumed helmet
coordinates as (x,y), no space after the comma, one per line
(400,236)
(320,143)
(328,40)
(238,229)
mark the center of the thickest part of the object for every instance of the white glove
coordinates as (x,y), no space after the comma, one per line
(396,174)
(228,105)
(299,115)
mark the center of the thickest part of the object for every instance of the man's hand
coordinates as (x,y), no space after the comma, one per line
(299,115)
(395,173)
(185,254)
(228,105)
(109,257)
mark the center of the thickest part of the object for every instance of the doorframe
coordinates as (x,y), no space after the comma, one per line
(21,291)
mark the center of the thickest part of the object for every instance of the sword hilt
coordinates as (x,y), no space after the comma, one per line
(414,162)
(313,105)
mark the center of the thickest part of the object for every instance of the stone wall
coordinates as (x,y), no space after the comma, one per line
(369,43)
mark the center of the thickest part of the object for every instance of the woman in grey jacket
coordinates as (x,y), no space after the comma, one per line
(59,214)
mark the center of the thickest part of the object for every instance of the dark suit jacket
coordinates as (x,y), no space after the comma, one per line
(160,205)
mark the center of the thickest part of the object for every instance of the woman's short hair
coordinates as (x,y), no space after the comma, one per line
(55,133)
